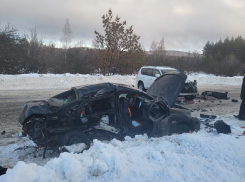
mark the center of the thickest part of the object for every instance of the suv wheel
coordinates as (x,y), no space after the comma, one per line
(141,86)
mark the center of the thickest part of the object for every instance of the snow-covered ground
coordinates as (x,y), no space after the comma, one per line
(46,81)
(202,156)
(203,79)
(43,81)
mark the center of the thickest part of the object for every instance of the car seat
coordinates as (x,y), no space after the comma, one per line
(126,112)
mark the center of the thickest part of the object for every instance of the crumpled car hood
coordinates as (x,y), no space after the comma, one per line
(33,107)
(168,86)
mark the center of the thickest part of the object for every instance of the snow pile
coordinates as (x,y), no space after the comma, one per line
(198,156)
(44,81)
(203,78)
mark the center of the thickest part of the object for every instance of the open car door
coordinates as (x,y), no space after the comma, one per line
(168,86)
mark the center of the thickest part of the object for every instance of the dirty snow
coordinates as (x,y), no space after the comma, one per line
(43,81)
(202,156)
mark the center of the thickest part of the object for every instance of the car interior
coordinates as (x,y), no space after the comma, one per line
(135,110)
(102,110)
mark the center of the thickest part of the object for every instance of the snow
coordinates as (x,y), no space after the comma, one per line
(202,156)
(45,81)
(75,147)
(67,80)
(203,78)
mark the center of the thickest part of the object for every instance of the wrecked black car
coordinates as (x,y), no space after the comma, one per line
(107,110)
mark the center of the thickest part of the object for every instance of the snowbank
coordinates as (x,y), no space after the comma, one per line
(201,156)
(44,81)
(203,79)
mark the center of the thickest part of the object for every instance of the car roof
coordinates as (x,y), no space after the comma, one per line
(94,90)
(160,67)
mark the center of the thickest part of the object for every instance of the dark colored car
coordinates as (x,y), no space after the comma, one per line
(106,111)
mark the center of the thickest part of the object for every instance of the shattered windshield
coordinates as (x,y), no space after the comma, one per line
(62,98)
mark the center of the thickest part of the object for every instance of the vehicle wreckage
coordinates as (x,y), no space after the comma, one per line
(107,110)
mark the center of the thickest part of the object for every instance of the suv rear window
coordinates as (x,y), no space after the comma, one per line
(143,71)
(149,72)
(146,71)
(168,71)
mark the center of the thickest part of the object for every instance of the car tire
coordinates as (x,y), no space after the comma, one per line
(141,86)
(181,128)
(74,137)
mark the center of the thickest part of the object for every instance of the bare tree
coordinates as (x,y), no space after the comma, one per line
(153,47)
(95,44)
(35,44)
(158,51)
(158,46)
(161,46)
(229,66)
(67,36)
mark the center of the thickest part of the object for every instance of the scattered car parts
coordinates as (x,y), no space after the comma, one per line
(222,127)
(208,116)
(3,170)
(217,95)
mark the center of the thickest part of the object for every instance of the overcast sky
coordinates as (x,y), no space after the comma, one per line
(185,24)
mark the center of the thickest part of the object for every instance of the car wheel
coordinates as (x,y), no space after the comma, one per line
(179,129)
(141,86)
(74,137)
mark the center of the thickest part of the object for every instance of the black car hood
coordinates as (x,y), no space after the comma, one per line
(41,107)
(168,86)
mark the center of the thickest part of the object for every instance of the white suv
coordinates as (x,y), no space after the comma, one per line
(147,75)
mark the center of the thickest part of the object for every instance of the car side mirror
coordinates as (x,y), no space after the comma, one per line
(157,75)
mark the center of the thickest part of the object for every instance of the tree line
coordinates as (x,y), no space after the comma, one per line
(225,57)
(117,51)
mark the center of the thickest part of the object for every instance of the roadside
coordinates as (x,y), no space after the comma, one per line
(12,102)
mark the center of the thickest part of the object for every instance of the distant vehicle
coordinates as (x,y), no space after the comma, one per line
(106,111)
(148,74)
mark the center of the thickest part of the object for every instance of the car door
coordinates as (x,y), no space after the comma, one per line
(168,86)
